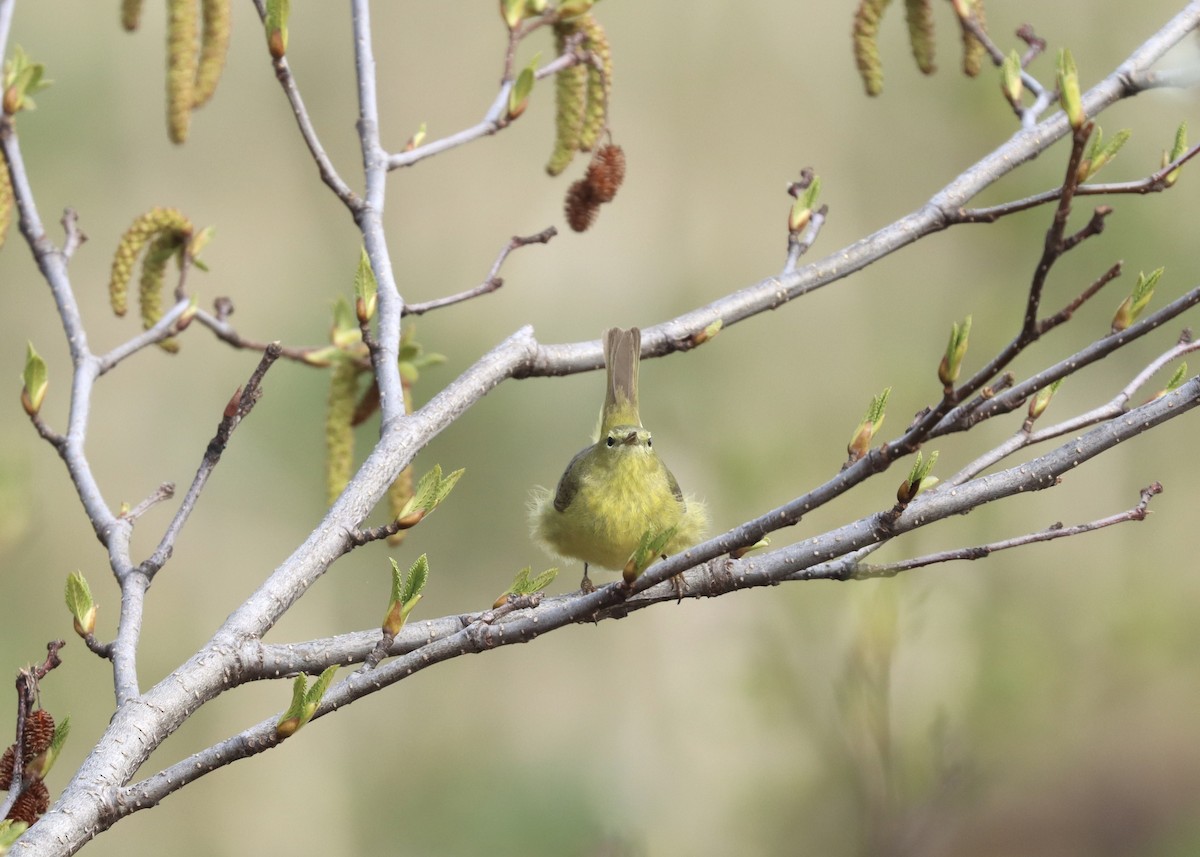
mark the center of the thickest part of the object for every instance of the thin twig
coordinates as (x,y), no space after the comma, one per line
(493,280)
(495,119)
(1153,183)
(236,410)
(865,571)
(226,332)
(329,173)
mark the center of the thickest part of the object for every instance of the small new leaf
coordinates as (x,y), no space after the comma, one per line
(1068,89)
(1178,378)
(1129,310)
(523,584)
(366,293)
(864,435)
(648,550)
(802,209)
(10,832)
(304,702)
(1178,150)
(956,349)
(1010,78)
(1041,399)
(1099,154)
(518,96)
(276,24)
(35,379)
(22,78)
(431,490)
(80,603)
(918,478)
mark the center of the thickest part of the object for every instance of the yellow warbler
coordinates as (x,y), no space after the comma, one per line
(617,492)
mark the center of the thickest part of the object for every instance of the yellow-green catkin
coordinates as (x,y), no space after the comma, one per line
(183,54)
(570,96)
(148,225)
(599,82)
(214,45)
(150,288)
(973,49)
(6,200)
(339,433)
(131,14)
(919,15)
(866,44)
(401,489)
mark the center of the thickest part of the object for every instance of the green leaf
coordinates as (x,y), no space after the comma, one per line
(523,585)
(35,378)
(1010,76)
(317,691)
(1178,378)
(365,285)
(445,486)
(80,603)
(10,832)
(518,96)
(295,711)
(415,580)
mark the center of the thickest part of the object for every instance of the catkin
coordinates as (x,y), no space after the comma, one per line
(866,45)
(214,46)
(599,82)
(6,200)
(150,287)
(130,246)
(339,434)
(919,16)
(973,49)
(570,99)
(182,57)
(131,14)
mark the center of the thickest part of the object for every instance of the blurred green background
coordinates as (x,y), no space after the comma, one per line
(1043,702)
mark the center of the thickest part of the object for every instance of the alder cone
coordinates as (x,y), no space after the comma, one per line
(31,804)
(581,206)
(6,767)
(606,172)
(39,732)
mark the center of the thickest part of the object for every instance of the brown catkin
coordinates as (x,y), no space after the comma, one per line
(39,732)
(866,44)
(183,29)
(606,172)
(580,206)
(31,804)
(214,46)
(6,767)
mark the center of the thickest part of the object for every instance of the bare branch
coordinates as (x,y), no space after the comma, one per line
(493,280)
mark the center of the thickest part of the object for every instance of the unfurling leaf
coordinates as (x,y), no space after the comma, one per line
(81,604)
(956,349)
(864,434)
(35,379)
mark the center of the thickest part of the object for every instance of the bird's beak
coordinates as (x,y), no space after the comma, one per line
(630,439)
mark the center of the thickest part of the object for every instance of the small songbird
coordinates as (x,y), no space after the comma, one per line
(616,491)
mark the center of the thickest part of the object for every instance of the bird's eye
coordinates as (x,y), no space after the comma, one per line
(649,441)
(611,440)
